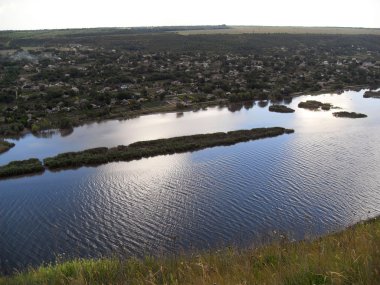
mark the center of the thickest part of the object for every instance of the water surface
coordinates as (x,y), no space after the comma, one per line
(324,177)
(215,119)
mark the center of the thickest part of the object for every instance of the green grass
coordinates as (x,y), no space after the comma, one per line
(348,257)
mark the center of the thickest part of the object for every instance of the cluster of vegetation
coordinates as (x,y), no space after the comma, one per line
(139,150)
(5,146)
(314,105)
(348,257)
(372,94)
(281,109)
(21,167)
(351,115)
(59,79)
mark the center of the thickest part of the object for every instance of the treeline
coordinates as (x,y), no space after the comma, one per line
(219,43)
(86,32)
(138,150)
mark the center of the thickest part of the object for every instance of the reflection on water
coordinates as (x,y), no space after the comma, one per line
(66,132)
(288,100)
(249,104)
(324,177)
(234,107)
(263,103)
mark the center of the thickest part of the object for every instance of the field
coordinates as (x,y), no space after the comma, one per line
(191,30)
(283,30)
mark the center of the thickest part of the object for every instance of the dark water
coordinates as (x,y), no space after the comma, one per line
(324,177)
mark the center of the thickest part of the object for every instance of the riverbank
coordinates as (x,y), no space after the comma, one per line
(138,150)
(348,257)
(77,119)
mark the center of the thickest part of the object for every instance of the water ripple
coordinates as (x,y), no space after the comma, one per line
(322,178)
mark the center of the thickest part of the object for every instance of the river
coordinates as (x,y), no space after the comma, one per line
(322,178)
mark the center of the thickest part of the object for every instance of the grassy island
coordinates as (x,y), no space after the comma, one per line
(5,146)
(314,105)
(21,167)
(351,115)
(139,150)
(372,94)
(280,109)
(348,257)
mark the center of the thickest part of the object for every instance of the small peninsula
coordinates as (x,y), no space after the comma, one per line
(5,146)
(372,94)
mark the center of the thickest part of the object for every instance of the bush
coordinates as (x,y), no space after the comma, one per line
(21,167)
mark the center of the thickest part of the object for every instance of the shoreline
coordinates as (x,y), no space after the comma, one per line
(5,146)
(173,109)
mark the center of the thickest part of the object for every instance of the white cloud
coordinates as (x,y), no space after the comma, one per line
(37,14)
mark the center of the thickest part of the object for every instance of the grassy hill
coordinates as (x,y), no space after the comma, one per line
(348,257)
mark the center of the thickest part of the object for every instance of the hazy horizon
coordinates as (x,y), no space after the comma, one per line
(44,14)
(195,25)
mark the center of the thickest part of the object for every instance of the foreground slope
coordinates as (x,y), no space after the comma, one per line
(348,257)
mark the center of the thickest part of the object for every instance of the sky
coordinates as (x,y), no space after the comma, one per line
(52,14)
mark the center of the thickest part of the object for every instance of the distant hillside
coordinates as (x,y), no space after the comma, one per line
(218,39)
(283,30)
